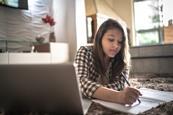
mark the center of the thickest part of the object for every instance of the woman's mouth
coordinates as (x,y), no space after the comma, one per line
(113,52)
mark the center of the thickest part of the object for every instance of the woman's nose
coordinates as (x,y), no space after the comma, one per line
(116,44)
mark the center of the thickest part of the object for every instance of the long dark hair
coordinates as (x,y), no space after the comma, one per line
(121,60)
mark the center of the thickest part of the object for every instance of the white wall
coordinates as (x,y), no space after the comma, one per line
(71,24)
(60,15)
(81,23)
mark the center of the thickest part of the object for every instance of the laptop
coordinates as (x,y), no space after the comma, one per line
(44,88)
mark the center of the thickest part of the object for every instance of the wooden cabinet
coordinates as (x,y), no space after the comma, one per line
(42,47)
(168,34)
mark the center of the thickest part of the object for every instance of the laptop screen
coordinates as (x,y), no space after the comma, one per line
(49,88)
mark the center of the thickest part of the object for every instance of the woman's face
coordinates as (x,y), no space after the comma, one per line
(112,42)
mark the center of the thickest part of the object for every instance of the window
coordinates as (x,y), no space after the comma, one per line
(148,22)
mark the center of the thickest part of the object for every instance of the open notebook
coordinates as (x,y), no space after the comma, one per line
(150,98)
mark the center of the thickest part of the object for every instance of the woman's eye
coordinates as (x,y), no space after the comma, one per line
(111,40)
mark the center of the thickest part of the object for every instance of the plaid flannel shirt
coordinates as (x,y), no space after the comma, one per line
(89,79)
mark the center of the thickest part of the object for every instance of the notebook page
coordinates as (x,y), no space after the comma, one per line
(156,94)
(135,109)
(147,102)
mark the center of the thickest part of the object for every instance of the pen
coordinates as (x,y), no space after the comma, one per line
(128,83)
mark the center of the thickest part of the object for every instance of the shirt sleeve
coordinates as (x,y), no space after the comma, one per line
(119,82)
(82,64)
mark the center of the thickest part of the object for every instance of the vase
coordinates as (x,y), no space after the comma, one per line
(52,37)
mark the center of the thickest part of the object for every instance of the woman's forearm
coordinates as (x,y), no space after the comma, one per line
(127,96)
(107,94)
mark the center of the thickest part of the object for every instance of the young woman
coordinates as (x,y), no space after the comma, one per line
(100,67)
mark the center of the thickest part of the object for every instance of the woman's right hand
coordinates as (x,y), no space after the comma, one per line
(129,95)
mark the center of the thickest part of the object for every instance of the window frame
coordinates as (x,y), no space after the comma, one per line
(159,29)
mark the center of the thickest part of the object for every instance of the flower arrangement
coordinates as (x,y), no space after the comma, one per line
(47,20)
